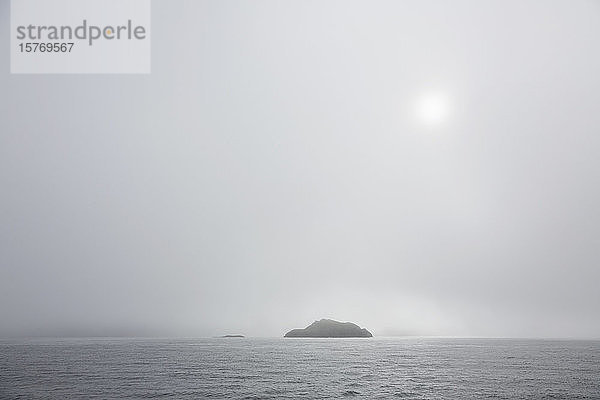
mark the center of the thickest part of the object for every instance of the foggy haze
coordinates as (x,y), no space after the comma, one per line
(275,169)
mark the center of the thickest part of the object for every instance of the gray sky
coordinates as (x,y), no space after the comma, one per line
(276,168)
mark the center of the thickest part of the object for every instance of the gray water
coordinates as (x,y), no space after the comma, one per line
(299,368)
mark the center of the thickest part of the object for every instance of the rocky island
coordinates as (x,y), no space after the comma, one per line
(232,336)
(328,328)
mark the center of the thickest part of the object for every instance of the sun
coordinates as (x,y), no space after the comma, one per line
(432,108)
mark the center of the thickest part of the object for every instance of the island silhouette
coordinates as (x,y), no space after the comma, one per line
(328,328)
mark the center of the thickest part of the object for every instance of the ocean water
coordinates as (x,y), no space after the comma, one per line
(280,368)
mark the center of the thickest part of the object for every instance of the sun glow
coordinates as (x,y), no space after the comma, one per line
(432,108)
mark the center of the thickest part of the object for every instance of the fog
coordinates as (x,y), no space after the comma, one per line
(274,169)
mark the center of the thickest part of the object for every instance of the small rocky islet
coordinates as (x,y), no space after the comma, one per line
(328,328)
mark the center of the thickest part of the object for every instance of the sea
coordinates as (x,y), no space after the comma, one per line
(278,368)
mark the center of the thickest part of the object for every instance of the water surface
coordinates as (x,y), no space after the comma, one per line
(408,368)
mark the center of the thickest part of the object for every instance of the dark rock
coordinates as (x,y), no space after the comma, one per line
(232,336)
(328,328)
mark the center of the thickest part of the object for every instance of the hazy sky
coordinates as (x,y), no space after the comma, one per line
(276,168)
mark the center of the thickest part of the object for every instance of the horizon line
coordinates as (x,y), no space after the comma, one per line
(184,337)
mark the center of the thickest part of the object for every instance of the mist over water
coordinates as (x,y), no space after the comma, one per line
(420,167)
